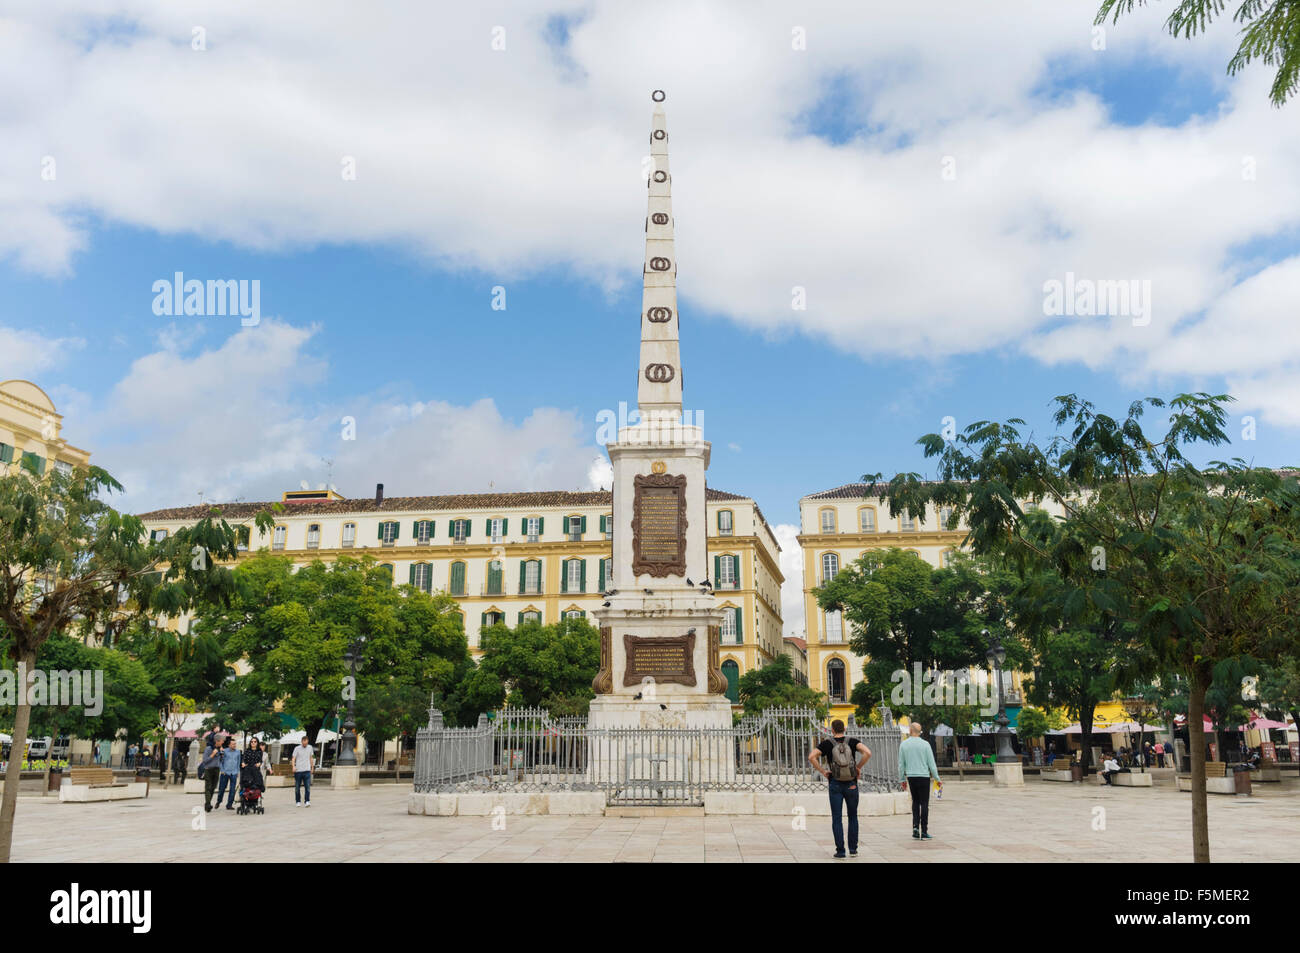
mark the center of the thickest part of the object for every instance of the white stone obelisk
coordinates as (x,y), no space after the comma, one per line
(659,631)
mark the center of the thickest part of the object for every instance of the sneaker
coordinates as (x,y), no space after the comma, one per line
(853,853)
(916,832)
(926,837)
(839,855)
(307,804)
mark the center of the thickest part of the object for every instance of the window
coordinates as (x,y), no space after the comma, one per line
(534,528)
(278,536)
(724,522)
(946,558)
(574,527)
(313,536)
(945,517)
(459,530)
(607,526)
(732,673)
(422,576)
(575,575)
(6,453)
(606,574)
(493,618)
(828,521)
(728,632)
(64,467)
(835,680)
(423,532)
(530,615)
(830,567)
(834,626)
(727,571)
(530,577)
(159,535)
(495,586)
(458,579)
(907,524)
(575,614)
(497,528)
(388,533)
(389,567)
(867,519)
(34,462)
(349,535)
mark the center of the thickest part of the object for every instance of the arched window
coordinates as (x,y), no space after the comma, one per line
(830,567)
(457,579)
(495,579)
(836,681)
(575,575)
(530,577)
(732,673)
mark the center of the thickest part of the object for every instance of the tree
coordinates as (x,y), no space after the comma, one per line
(1270,33)
(1203,566)
(67,558)
(1279,688)
(1036,723)
(774,686)
(242,705)
(905,613)
(535,665)
(171,719)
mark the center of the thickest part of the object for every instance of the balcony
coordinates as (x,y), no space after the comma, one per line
(536,590)
(490,590)
(729,584)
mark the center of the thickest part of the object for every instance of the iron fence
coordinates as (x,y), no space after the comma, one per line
(527,750)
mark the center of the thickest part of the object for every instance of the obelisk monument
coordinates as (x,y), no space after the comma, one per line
(660,625)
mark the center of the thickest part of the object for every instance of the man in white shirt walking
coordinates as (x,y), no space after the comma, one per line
(302,756)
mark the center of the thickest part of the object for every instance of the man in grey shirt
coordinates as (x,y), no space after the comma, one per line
(302,756)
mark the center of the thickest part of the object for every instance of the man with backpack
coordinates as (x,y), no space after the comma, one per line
(916,767)
(841,772)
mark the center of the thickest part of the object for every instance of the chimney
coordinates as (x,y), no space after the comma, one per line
(379,494)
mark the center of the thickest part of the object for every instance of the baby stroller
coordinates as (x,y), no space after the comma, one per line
(251,785)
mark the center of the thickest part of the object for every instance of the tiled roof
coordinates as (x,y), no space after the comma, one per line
(400,504)
(849,491)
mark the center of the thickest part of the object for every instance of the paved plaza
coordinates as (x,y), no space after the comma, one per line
(974,822)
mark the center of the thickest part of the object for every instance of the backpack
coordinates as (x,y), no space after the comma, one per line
(843,764)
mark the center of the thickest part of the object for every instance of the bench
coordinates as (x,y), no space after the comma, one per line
(1218,780)
(1059,771)
(99,784)
(1268,771)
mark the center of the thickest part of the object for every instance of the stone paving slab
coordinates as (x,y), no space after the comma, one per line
(974,823)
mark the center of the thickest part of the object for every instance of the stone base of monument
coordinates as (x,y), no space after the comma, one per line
(346,777)
(593,803)
(1008,775)
(652,747)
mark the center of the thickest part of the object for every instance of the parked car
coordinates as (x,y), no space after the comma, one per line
(38,748)
(61,746)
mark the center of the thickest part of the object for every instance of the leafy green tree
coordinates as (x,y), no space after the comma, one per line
(1279,688)
(239,706)
(774,686)
(904,612)
(535,665)
(1270,33)
(69,559)
(1201,565)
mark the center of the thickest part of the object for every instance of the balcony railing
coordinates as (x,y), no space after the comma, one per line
(729,584)
(490,590)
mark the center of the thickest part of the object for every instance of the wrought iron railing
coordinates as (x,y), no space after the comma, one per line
(527,750)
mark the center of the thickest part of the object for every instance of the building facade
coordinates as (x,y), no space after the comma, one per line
(836,527)
(31,430)
(515,557)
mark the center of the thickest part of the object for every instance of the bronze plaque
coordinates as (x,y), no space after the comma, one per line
(659,525)
(664,658)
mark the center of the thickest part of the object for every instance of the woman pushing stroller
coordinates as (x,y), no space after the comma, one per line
(252,782)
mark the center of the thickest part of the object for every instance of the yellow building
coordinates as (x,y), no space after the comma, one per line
(836,527)
(31,429)
(511,557)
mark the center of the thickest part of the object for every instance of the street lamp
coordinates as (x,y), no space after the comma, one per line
(348,741)
(997,654)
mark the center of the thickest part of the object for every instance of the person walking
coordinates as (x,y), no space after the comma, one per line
(229,773)
(302,758)
(916,767)
(209,769)
(841,773)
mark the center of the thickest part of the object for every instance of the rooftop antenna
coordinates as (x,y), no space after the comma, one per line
(329,472)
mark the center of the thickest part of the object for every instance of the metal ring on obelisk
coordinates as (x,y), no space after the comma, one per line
(658,96)
(659,373)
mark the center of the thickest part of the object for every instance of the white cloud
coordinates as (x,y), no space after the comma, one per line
(25,353)
(792,615)
(529,158)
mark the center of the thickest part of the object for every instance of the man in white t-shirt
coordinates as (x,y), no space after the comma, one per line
(1109,767)
(302,756)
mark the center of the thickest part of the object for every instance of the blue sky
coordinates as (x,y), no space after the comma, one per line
(824,172)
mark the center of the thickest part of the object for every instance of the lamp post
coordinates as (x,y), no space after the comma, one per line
(997,654)
(348,740)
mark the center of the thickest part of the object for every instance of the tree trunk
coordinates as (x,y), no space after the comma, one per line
(1085,725)
(22,721)
(1196,741)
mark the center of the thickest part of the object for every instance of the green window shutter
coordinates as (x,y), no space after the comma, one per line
(505,527)
(6,453)
(602,524)
(564,576)
(458,579)
(565,525)
(523,568)
(601,587)
(740,629)
(482,620)
(432,524)
(521,619)
(415,530)
(397,530)
(468,524)
(540,521)
(717,570)
(582,525)
(381,530)
(583,571)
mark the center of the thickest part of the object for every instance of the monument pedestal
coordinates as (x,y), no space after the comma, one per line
(1008,774)
(347,777)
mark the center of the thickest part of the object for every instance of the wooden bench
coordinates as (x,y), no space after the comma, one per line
(98,784)
(1218,779)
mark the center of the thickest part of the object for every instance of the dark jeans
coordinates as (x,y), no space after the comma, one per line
(301,780)
(920,788)
(210,785)
(844,793)
(233,780)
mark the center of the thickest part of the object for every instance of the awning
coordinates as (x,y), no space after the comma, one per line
(186,733)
